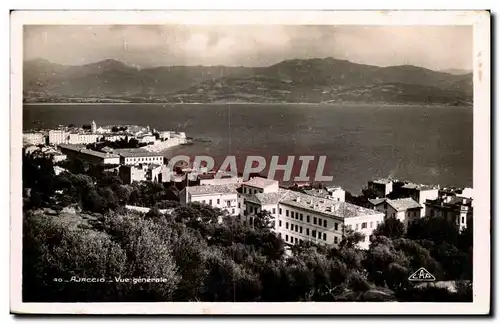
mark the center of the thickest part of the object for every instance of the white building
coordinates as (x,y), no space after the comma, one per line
(406,210)
(57,136)
(300,217)
(82,138)
(336,192)
(420,193)
(138,156)
(455,209)
(35,138)
(147,139)
(224,196)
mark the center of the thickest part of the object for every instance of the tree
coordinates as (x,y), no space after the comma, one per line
(263,220)
(435,229)
(391,227)
(351,238)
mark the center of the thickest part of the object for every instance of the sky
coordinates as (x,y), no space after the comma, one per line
(432,47)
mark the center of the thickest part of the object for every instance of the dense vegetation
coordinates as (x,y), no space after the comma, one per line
(201,254)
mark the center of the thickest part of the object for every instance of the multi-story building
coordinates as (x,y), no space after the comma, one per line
(223,196)
(212,179)
(82,138)
(419,193)
(58,136)
(138,156)
(406,210)
(455,209)
(35,138)
(143,172)
(381,187)
(336,192)
(74,152)
(299,217)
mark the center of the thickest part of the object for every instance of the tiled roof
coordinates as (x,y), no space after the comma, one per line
(317,192)
(403,204)
(376,201)
(82,149)
(213,189)
(327,206)
(259,182)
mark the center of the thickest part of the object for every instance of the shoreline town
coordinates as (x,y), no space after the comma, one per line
(303,212)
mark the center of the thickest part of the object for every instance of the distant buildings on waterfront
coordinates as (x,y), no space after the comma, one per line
(88,134)
(408,201)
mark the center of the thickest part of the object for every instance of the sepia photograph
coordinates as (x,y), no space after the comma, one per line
(305,159)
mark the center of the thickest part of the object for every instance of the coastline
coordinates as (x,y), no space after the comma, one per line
(245,103)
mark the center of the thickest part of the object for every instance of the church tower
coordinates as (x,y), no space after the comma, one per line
(94,127)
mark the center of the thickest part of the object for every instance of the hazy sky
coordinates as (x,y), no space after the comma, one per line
(434,47)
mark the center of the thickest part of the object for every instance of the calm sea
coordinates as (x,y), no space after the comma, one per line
(424,144)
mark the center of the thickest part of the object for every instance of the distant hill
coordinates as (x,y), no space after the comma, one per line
(457,71)
(297,80)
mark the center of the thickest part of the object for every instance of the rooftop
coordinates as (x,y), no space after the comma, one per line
(82,149)
(213,189)
(419,186)
(403,204)
(259,182)
(317,192)
(376,201)
(135,152)
(329,207)
(382,181)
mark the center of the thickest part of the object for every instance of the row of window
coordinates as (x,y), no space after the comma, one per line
(228,203)
(364,225)
(299,240)
(250,191)
(298,229)
(144,159)
(315,220)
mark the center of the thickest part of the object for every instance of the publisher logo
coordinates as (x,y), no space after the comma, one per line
(422,275)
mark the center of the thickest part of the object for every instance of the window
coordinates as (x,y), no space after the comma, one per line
(296,228)
(292,214)
(274,210)
(287,213)
(286,225)
(307,231)
(357,226)
(335,240)
(232,210)
(203,201)
(218,201)
(364,225)
(371,224)
(324,223)
(239,204)
(286,238)
(308,219)
(280,211)
(300,241)
(314,220)
(324,236)
(300,230)
(251,221)
(301,217)
(313,233)
(280,223)
(210,202)
(336,226)
(296,240)
(463,220)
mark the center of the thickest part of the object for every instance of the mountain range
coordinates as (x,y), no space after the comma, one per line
(291,81)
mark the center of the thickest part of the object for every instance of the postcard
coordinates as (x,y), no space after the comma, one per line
(250,162)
